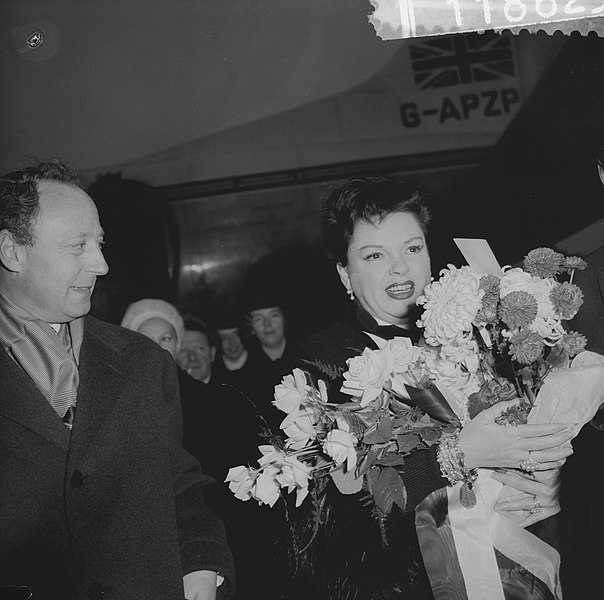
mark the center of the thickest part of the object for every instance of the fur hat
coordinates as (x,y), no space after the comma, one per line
(148,308)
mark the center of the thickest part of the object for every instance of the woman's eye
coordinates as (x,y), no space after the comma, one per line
(414,249)
(373,256)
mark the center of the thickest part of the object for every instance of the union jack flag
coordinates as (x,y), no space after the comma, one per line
(459,59)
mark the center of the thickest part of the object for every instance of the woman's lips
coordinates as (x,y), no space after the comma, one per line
(401,291)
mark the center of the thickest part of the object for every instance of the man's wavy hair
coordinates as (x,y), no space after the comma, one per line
(369,200)
(19,198)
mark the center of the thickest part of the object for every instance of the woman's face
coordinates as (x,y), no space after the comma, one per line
(161,332)
(269,325)
(388,266)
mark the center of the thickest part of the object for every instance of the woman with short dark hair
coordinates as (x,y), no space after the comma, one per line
(375,231)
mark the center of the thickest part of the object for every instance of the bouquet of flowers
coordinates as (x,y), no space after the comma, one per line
(487,337)
(359,444)
(504,335)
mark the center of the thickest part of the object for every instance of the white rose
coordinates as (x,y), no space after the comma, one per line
(294,475)
(240,480)
(299,428)
(266,489)
(291,392)
(339,444)
(404,352)
(270,454)
(368,373)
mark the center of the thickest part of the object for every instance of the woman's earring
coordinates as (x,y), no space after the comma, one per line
(350,293)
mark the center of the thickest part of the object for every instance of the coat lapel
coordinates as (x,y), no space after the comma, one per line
(601,283)
(101,380)
(23,403)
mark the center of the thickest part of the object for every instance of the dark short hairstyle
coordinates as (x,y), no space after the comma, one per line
(196,324)
(370,200)
(19,198)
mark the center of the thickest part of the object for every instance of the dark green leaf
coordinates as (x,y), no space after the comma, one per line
(380,432)
(387,488)
(408,441)
(391,459)
(368,461)
(430,435)
(347,482)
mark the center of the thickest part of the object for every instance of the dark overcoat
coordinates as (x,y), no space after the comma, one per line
(582,488)
(116,509)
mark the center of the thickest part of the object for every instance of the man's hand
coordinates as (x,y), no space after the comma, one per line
(200,585)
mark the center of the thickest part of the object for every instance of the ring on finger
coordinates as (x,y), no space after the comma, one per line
(536,506)
(530,464)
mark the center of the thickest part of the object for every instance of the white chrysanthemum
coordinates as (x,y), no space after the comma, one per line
(450,303)
(449,372)
(463,350)
(457,379)
(551,330)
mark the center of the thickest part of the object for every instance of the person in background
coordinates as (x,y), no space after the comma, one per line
(267,324)
(158,320)
(197,350)
(205,402)
(222,429)
(231,361)
(98,497)
(269,350)
(246,371)
(581,492)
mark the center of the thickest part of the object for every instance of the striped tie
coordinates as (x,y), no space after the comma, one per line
(48,359)
(67,389)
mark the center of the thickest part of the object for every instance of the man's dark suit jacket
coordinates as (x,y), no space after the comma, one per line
(582,491)
(116,510)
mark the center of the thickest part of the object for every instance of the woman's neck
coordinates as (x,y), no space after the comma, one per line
(234,365)
(402,323)
(275,352)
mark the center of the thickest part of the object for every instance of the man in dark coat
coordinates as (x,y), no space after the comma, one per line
(98,499)
(223,429)
(581,491)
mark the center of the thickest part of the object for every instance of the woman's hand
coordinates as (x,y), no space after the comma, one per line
(485,443)
(530,498)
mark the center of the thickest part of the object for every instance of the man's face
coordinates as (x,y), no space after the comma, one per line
(195,355)
(268,325)
(58,273)
(232,346)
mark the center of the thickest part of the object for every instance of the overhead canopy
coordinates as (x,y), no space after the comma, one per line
(115,80)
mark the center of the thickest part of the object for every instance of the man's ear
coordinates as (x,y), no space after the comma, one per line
(213,353)
(10,252)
